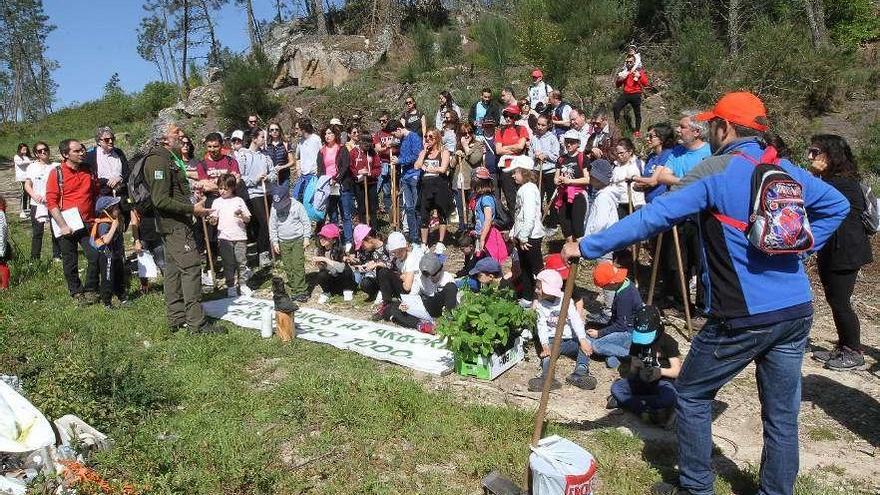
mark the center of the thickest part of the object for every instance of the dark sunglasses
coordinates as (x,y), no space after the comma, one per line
(429,274)
(108,140)
(410,103)
(275,130)
(252,121)
(41,150)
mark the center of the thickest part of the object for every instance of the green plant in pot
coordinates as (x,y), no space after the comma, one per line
(484,323)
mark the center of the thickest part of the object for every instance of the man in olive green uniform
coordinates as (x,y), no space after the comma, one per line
(165,175)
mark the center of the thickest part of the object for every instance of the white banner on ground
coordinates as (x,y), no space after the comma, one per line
(397,345)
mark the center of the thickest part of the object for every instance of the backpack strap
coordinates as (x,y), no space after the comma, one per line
(770,156)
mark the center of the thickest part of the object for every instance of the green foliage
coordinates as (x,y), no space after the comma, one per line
(423,48)
(483,323)
(245,90)
(537,38)
(496,42)
(694,61)
(450,45)
(194,75)
(155,96)
(113,86)
(868,153)
(853,22)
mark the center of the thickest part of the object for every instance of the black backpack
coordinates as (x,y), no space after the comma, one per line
(138,190)
(501,219)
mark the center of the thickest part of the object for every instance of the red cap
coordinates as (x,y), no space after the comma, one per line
(741,108)
(482,173)
(512,110)
(555,262)
(537,73)
(606,273)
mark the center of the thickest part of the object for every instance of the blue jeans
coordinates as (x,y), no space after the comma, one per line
(410,187)
(717,355)
(572,349)
(613,346)
(384,185)
(637,396)
(343,203)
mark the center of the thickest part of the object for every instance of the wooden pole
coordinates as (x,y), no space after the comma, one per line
(685,294)
(540,169)
(554,356)
(462,222)
(208,248)
(266,204)
(655,265)
(635,247)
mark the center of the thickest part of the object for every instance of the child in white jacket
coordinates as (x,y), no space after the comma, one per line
(528,230)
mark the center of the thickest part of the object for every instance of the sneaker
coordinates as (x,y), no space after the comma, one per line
(847,359)
(612,403)
(176,327)
(245,290)
(439,248)
(582,381)
(692,284)
(662,488)
(323,298)
(211,328)
(536,384)
(378,299)
(231,292)
(824,356)
(427,327)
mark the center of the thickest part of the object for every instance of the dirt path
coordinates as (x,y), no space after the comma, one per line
(840,412)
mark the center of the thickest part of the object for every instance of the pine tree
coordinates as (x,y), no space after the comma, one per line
(27,89)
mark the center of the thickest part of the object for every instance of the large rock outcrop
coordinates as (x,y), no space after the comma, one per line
(311,61)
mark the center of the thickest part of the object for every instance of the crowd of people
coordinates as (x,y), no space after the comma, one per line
(509,177)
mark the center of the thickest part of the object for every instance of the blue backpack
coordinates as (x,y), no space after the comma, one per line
(316,211)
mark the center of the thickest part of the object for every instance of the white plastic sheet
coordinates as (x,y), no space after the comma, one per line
(147,265)
(22,427)
(561,467)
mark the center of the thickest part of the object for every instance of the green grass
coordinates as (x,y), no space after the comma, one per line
(238,414)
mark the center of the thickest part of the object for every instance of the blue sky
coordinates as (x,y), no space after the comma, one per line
(96,38)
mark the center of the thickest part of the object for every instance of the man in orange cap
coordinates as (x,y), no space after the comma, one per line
(759,306)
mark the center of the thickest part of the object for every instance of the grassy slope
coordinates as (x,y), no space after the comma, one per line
(239,414)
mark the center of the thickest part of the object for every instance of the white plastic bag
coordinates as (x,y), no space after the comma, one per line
(561,467)
(147,265)
(22,427)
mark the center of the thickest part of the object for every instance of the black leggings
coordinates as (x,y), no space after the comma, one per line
(37,230)
(572,217)
(445,298)
(335,283)
(435,193)
(508,189)
(633,100)
(390,284)
(259,229)
(547,188)
(839,287)
(531,263)
(113,277)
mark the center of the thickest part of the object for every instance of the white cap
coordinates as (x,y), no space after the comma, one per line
(571,134)
(523,162)
(395,241)
(335,121)
(237,134)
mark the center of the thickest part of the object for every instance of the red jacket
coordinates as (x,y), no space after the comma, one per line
(360,159)
(631,85)
(80,190)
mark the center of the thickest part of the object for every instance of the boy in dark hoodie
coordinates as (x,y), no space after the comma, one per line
(613,340)
(106,238)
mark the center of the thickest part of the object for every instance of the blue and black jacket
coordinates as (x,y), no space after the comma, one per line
(744,286)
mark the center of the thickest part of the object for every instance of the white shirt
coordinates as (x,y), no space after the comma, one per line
(307,152)
(441,113)
(38,173)
(229,226)
(21,165)
(548,316)
(424,286)
(632,168)
(548,145)
(527,222)
(539,93)
(109,164)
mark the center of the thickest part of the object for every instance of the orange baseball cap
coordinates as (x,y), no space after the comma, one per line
(741,108)
(606,273)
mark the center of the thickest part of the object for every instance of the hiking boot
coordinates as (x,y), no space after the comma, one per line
(210,328)
(88,298)
(824,356)
(612,403)
(848,359)
(536,384)
(584,381)
(662,488)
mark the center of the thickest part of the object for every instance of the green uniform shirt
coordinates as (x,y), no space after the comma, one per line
(169,190)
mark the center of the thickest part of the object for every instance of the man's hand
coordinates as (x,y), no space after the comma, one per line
(65,230)
(525,246)
(276,248)
(593,333)
(137,246)
(571,251)
(597,153)
(545,351)
(586,347)
(199,209)
(113,182)
(394,160)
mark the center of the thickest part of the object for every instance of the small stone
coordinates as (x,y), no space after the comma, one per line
(623,430)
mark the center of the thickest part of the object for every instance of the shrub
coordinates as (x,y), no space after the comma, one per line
(450,45)
(245,90)
(853,22)
(694,59)
(868,153)
(495,39)
(155,96)
(423,47)
(537,38)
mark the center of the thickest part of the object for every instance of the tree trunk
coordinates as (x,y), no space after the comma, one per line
(318,14)
(214,54)
(733,26)
(816,19)
(169,44)
(184,61)
(251,24)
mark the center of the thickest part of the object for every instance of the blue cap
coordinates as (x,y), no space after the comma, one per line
(486,265)
(644,338)
(280,196)
(104,202)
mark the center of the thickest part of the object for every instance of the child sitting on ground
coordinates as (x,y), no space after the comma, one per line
(613,340)
(289,232)
(548,305)
(399,278)
(334,275)
(5,247)
(654,363)
(231,216)
(106,238)
(370,255)
(437,291)
(466,244)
